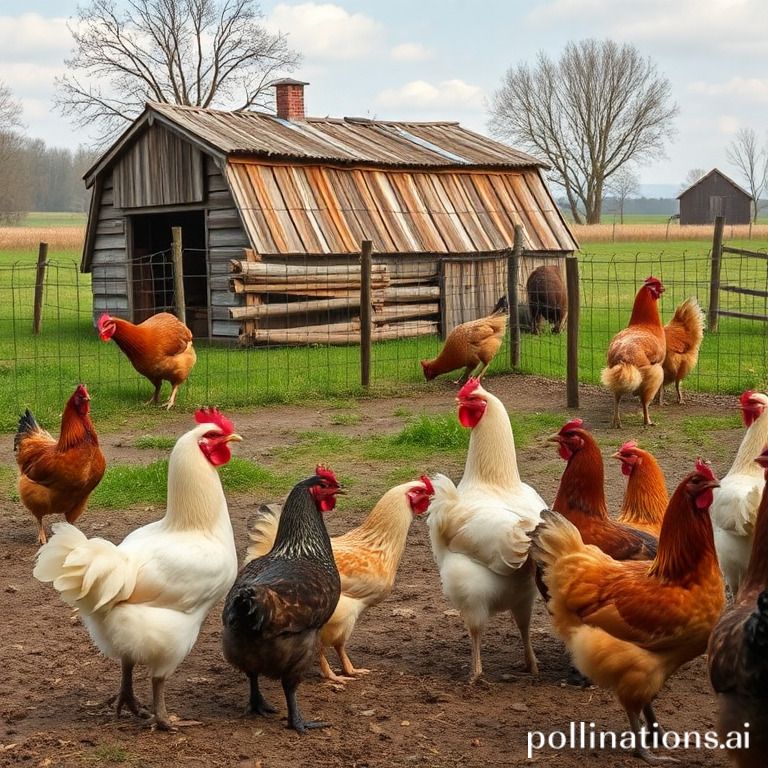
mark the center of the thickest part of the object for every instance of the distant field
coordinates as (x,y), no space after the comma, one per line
(53,219)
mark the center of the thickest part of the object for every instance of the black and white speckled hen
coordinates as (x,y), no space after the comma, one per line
(279,602)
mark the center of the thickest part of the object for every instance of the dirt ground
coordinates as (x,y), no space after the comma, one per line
(414,709)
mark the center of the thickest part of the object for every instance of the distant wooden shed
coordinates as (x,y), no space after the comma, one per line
(715,195)
(302,192)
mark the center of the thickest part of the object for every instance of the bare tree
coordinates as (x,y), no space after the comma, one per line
(10,109)
(623,184)
(597,108)
(751,159)
(694,175)
(205,53)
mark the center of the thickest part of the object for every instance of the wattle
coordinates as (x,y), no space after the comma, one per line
(219,455)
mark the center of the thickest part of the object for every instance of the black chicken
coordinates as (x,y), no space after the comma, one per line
(279,602)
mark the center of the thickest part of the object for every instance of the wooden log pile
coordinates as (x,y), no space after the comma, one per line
(320,304)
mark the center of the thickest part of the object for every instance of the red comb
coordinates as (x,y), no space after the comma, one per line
(651,279)
(428,485)
(322,471)
(744,398)
(704,469)
(80,389)
(469,387)
(572,424)
(630,445)
(214,416)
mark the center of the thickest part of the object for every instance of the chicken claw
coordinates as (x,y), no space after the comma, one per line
(257,704)
(125,697)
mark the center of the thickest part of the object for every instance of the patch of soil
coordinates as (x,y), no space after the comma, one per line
(415,708)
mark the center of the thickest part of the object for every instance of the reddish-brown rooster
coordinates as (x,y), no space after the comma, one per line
(581,498)
(738,651)
(636,354)
(57,476)
(471,345)
(160,348)
(629,626)
(646,496)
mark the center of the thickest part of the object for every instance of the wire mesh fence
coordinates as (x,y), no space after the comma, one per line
(291,332)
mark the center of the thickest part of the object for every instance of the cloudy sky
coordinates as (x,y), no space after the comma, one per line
(443,59)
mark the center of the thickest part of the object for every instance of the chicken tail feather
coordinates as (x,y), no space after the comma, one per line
(89,573)
(553,538)
(623,378)
(262,529)
(27,426)
(246,609)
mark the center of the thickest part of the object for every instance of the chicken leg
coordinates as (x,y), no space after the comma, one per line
(125,697)
(257,704)
(172,398)
(295,719)
(641,750)
(476,664)
(162,720)
(156,394)
(41,537)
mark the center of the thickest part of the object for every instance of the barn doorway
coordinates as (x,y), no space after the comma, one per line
(152,271)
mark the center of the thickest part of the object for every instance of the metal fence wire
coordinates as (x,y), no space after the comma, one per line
(289,332)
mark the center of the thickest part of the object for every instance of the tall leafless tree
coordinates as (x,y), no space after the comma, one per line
(694,175)
(623,184)
(751,158)
(600,106)
(16,187)
(10,109)
(205,53)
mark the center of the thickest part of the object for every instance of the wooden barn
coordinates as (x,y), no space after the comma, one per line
(715,195)
(273,210)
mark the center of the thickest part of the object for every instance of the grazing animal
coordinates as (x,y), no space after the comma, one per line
(547,297)
(471,345)
(57,476)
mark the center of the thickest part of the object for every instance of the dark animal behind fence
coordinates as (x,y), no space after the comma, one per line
(547,297)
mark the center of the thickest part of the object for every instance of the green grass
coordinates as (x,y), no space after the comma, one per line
(125,485)
(54,219)
(40,372)
(155,443)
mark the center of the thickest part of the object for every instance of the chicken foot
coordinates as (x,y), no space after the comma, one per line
(125,697)
(155,395)
(41,536)
(161,719)
(295,719)
(172,398)
(257,704)
(641,750)
(349,670)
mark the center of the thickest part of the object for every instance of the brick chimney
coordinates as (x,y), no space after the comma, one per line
(289,97)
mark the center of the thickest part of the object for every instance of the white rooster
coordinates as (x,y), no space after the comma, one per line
(736,500)
(144,600)
(479,529)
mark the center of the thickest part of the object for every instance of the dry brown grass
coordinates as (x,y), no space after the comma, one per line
(28,238)
(630,233)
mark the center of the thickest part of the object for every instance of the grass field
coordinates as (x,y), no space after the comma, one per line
(40,372)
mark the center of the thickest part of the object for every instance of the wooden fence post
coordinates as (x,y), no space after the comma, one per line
(714,278)
(42,261)
(366,320)
(572,360)
(513,276)
(179,299)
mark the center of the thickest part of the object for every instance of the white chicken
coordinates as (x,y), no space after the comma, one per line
(144,600)
(479,529)
(736,500)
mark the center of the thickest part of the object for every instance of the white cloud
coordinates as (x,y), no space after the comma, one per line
(410,52)
(728,125)
(30,36)
(747,89)
(420,93)
(326,31)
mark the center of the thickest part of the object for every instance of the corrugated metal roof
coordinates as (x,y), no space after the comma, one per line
(342,140)
(312,209)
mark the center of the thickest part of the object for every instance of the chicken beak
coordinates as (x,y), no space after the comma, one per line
(616,455)
(554,438)
(233,438)
(711,484)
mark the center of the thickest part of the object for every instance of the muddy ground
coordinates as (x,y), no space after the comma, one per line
(415,708)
